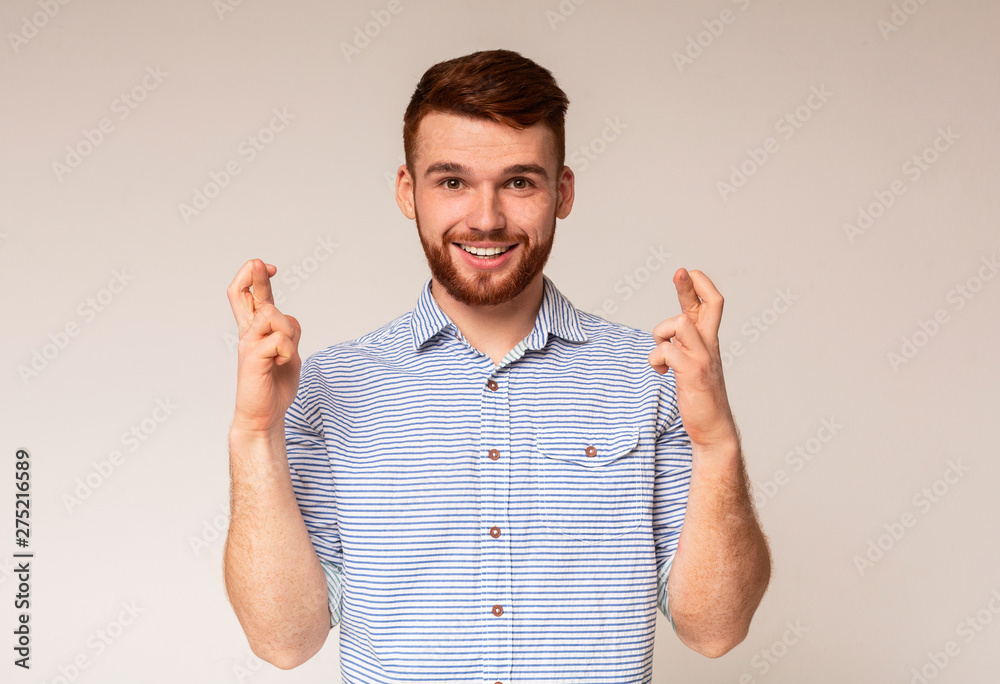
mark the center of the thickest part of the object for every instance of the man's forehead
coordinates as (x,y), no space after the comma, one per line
(445,137)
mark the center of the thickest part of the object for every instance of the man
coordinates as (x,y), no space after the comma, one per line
(492,486)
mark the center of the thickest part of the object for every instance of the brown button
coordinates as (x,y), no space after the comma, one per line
(591,451)
(492,385)
(498,610)
(494,454)
(494,532)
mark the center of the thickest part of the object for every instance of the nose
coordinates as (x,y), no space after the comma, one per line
(486,213)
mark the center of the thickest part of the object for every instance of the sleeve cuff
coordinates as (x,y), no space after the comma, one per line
(334,590)
(662,598)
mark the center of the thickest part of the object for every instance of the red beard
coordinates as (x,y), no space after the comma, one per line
(487,288)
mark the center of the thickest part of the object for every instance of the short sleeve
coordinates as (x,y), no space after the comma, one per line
(312,479)
(671,483)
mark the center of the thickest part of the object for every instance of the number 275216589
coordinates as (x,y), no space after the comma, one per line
(22,500)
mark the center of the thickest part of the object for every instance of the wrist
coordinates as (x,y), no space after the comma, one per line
(257,457)
(723,458)
(723,450)
(243,436)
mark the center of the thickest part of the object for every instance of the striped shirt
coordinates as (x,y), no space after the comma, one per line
(482,522)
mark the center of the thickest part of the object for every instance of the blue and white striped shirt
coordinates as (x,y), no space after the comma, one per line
(482,522)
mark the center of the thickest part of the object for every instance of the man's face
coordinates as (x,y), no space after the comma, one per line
(483,185)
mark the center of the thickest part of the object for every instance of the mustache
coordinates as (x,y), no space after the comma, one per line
(498,236)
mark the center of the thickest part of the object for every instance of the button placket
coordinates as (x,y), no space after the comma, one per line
(495,555)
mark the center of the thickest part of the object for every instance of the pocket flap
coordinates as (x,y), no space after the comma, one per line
(589,446)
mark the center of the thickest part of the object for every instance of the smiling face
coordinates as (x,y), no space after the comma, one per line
(483,187)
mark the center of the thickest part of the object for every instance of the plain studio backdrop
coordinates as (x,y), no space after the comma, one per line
(832,166)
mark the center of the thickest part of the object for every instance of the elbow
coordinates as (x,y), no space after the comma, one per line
(283,658)
(292,651)
(713,642)
(284,661)
(717,648)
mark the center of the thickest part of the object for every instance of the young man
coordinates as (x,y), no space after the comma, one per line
(492,486)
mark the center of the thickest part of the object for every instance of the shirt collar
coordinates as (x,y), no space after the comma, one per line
(556,315)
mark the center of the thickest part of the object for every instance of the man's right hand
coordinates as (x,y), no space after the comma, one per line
(274,578)
(269,363)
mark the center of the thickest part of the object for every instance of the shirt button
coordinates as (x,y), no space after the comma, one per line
(494,532)
(498,610)
(492,385)
(591,451)
(494,454)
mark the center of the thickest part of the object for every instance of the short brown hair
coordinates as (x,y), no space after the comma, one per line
(490,84)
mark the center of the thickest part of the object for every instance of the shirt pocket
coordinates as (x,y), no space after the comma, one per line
(588,481)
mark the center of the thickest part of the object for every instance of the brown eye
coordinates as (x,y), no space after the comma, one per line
(452,183)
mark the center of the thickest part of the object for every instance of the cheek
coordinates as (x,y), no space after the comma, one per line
(439,206)
(436,216)
(534,212)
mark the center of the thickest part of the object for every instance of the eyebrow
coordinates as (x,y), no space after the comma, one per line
(461,169)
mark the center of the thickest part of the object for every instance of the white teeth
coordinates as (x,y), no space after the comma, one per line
(484,251)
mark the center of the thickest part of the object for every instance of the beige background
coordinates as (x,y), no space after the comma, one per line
(150,533)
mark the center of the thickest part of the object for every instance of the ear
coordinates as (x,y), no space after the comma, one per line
(404,192)
(566,189)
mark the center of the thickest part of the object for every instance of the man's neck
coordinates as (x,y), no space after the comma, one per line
(494,330)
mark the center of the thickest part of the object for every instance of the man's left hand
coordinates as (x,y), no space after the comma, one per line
(689,343)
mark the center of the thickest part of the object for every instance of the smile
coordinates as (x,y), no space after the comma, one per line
(484,252)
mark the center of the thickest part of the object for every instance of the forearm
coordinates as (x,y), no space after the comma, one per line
(722,564)
(273,576)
